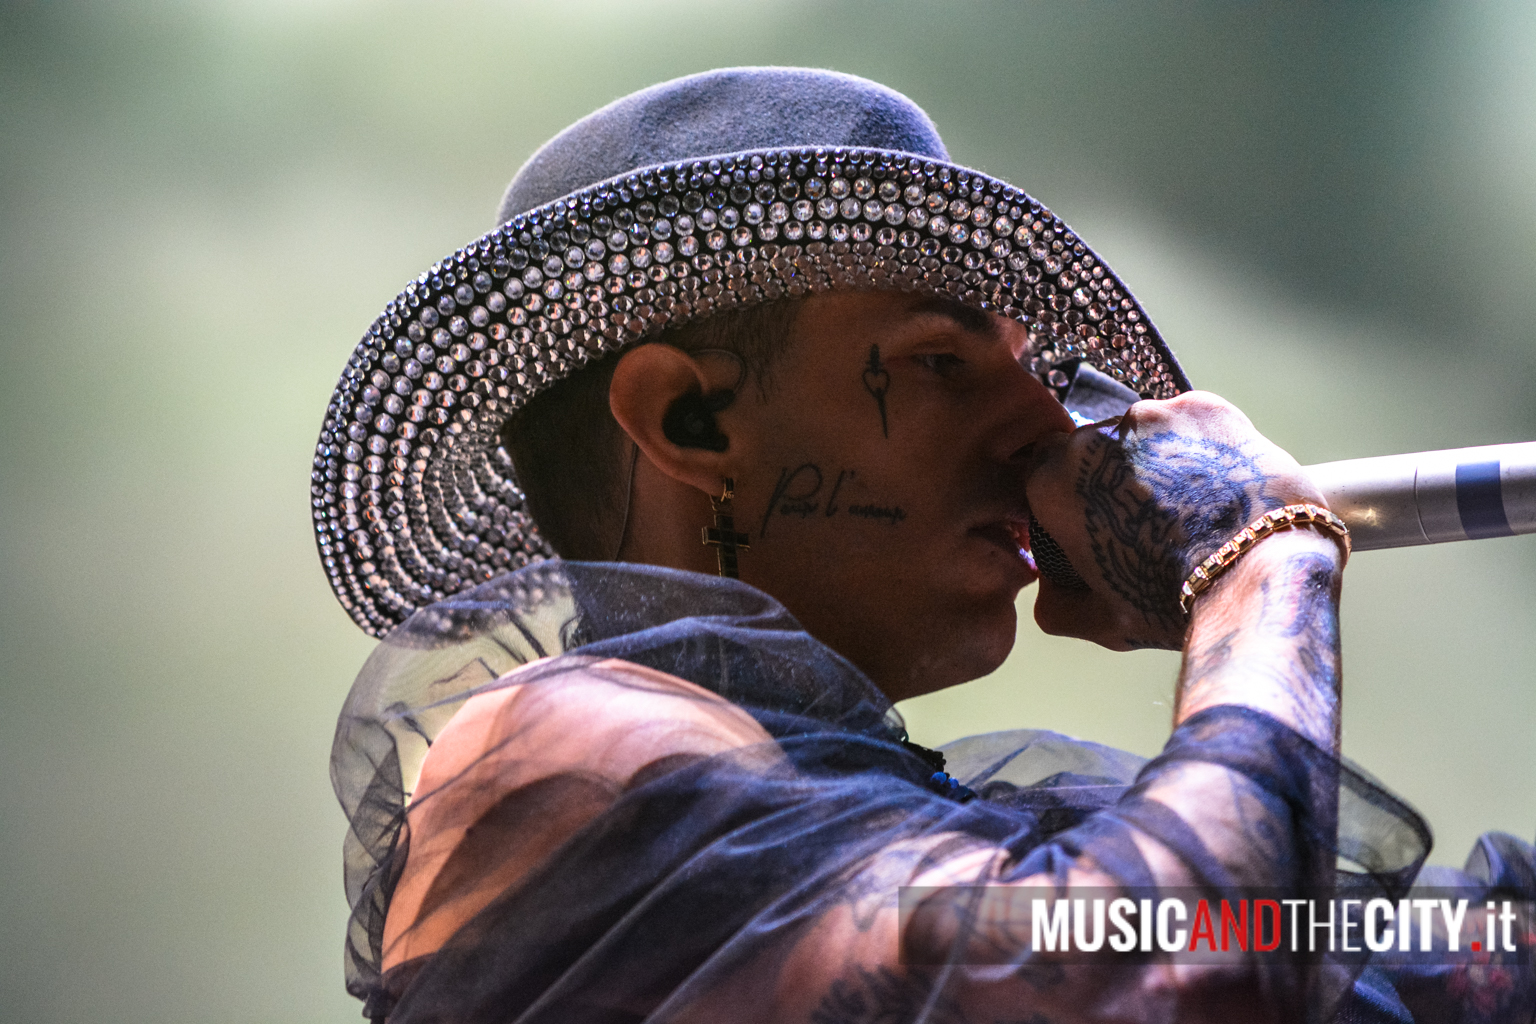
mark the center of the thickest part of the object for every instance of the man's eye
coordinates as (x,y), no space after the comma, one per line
(942,363)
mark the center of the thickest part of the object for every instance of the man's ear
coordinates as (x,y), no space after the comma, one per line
(661,396)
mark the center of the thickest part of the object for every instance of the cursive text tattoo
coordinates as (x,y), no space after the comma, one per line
(832,507)
(793,493)
(877,381)
(1156,506)
(798,494)
(890,514)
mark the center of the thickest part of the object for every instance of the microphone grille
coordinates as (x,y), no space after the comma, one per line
(1051,560)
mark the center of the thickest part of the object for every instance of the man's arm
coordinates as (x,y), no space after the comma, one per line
(1267,636)
(1137,505)
(1264,638)
(1140,501)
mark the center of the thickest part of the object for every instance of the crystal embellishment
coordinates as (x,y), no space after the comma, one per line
(413,497)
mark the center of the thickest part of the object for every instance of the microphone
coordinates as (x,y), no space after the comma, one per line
(1391,501)
(1431,497)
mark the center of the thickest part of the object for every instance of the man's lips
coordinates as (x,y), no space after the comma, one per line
(1012,535)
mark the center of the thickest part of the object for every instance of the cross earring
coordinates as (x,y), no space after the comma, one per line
(723,536)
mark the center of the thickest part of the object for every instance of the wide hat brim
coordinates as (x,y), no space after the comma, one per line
(415,499)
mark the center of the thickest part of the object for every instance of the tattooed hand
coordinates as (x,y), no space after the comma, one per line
(1137,503)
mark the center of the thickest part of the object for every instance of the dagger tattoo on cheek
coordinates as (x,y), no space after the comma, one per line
(877,381)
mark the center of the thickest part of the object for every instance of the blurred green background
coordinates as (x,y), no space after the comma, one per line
(1329,209)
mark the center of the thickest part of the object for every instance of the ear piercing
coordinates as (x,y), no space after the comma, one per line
(723,536)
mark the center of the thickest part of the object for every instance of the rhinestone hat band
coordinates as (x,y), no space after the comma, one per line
(414,499)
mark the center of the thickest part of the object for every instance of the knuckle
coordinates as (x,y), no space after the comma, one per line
(1148,410)
(1203,402)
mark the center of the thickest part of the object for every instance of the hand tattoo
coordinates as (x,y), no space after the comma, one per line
(1156,506)
(877,381)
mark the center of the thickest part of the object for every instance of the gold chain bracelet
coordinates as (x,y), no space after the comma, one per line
(1286,518)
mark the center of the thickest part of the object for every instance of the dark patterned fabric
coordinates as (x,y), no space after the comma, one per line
(683,890)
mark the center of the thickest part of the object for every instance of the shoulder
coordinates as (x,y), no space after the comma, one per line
(522,767)
(609,718)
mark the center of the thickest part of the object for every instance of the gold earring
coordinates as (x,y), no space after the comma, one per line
(723,536)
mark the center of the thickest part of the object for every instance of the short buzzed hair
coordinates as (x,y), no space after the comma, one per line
(570,455)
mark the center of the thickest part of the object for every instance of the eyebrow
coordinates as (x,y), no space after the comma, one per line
(970,319)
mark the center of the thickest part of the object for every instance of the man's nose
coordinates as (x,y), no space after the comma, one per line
(1029,412)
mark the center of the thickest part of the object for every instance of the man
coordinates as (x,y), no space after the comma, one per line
(759,308)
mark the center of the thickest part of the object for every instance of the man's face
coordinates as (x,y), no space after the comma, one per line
(881,480)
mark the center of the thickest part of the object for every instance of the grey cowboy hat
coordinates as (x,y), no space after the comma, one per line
(719,190)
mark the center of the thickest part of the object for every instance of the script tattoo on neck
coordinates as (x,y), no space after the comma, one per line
(877,381)
(794,494)
(832,506)
(798,494)
(1156,506)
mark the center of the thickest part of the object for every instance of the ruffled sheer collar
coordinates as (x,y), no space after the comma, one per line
(718,633)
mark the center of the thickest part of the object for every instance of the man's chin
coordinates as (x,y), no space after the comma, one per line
(997,585)
(973,647)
